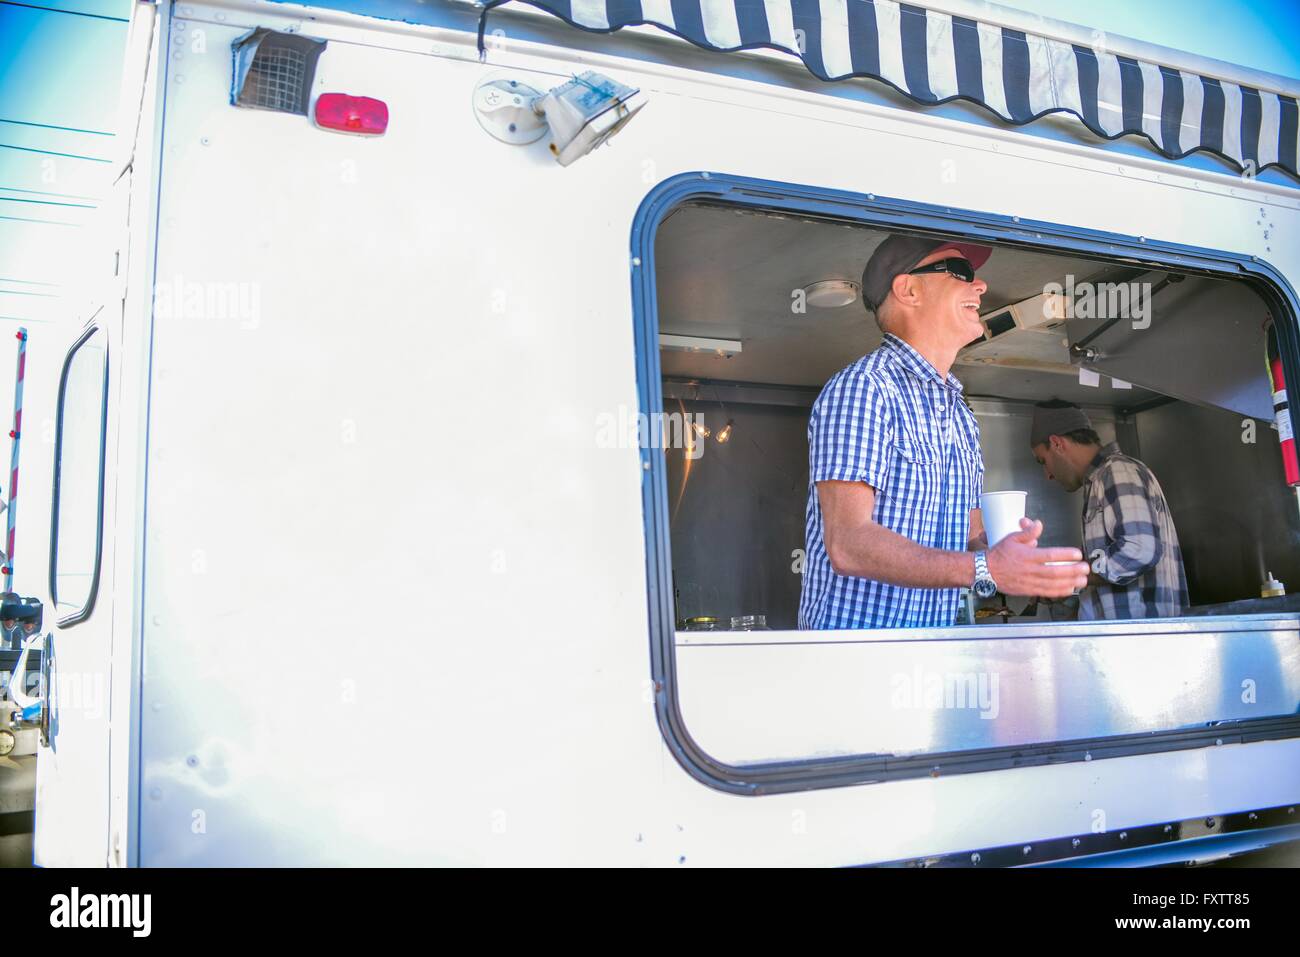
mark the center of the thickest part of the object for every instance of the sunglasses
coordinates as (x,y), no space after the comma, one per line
(955,267)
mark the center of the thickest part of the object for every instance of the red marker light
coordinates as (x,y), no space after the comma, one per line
(351,114)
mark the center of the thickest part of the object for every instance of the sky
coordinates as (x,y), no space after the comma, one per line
(60,68)
(1260,34)
(59,73)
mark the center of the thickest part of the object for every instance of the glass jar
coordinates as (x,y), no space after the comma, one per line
(749,623)
(702,623)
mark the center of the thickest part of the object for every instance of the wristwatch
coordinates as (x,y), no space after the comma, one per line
(985,586)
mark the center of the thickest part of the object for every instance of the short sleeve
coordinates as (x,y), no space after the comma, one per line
(850,433)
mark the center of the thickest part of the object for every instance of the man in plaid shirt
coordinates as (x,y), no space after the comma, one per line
(893,524)
(1128,532)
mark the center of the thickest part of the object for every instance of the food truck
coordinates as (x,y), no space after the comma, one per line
(428,470)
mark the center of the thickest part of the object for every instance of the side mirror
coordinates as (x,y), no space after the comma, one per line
(19,617)
(21,620)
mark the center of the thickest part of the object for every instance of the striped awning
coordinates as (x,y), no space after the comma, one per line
(934,57)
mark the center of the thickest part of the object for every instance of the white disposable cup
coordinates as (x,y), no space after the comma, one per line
(1002,513)
(1076,591)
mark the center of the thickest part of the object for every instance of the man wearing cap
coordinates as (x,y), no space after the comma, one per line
(1128,531)
(895,469)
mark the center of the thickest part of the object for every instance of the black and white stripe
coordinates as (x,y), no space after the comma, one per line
(932,57)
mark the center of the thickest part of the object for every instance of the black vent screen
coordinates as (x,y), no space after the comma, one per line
(274,71)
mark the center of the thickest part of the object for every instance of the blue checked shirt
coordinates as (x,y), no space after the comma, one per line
(1129,538)
(890,420)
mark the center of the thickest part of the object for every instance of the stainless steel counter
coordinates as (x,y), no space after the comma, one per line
(1248,606)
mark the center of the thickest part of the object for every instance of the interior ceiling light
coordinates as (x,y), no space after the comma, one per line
(723,348)
(831,293)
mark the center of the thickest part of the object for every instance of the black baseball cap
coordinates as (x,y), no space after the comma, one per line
(898,254)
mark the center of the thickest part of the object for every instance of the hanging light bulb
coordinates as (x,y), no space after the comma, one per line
(701,429)
(724,433)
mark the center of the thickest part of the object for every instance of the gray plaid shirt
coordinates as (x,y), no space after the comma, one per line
(1129,539)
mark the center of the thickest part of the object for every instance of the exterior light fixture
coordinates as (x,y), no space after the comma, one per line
(586,113)
(579,115)
(361,115)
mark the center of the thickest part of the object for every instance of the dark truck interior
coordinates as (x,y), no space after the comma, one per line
(745,350)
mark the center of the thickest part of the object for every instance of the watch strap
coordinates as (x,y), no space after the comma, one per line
(982,573)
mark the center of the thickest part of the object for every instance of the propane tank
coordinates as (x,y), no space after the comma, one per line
(1282,409)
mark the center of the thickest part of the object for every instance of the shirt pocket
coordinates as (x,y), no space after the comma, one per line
(1094,523)
(916,480)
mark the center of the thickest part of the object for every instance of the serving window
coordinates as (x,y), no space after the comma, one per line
(755,308)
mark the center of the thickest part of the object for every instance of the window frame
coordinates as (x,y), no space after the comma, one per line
(88,606)
(896,215)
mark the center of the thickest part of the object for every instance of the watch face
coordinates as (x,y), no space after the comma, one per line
(985,588)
